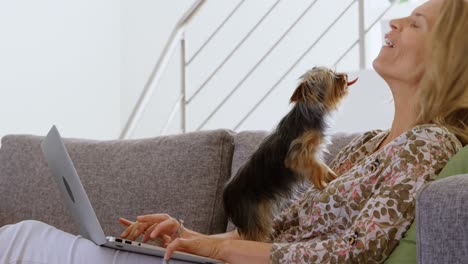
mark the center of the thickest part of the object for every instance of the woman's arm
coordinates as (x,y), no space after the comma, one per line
(228,235)
(243,251)
(228,250)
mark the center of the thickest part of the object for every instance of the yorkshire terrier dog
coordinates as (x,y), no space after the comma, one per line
(289,155)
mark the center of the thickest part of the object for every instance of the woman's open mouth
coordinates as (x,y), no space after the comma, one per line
(388,43)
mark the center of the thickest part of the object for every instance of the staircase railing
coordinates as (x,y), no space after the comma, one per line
(177,37)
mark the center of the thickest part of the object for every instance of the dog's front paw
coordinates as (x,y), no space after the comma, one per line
(303,151)
(321,175)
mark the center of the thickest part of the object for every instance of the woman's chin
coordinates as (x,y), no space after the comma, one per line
(383,69)
(378,67)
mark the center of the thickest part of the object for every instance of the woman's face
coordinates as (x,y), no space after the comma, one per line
(402,56)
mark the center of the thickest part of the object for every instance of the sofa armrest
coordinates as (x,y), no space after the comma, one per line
(442,221)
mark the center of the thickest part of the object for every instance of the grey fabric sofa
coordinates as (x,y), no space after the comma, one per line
(182,175)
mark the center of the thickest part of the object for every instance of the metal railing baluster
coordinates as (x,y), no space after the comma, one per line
(183,85)
(171,116)
(362,36)
(156,74)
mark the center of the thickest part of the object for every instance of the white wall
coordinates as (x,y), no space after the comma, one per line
(82,65)
(59,64)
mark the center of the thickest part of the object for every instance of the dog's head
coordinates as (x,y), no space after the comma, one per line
(322,86)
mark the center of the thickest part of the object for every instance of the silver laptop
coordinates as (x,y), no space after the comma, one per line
(77,201)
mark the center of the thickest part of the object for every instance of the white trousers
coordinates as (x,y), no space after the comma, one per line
(34,242)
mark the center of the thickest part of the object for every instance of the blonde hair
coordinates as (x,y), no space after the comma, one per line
(443,94)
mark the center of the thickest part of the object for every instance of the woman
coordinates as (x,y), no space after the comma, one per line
(379,172)
(361,215)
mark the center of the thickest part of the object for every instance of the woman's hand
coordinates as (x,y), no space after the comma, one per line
(227,250)
(225,247)
(135,229)
(155,225)
(203,246)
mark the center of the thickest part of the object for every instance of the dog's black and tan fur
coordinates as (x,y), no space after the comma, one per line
(289,155)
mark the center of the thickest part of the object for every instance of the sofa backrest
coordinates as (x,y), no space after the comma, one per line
(181,175)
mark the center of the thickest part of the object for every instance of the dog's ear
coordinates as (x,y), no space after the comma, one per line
(299,93)
(304,93)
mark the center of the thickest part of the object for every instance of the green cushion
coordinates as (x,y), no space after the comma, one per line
(458,164)
(405,252)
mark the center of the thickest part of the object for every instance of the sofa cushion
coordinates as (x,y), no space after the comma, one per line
(458,164)
(181,175)
(245,144)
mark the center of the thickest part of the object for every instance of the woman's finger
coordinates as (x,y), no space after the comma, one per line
(129,228)
(155,218)
(167,227)
(127,231)
(134,234)
(133,231)
(180,244)
(139,229)
(124,221)
(167,240)
(148,232)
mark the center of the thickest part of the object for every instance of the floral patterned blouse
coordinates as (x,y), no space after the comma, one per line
(360,216)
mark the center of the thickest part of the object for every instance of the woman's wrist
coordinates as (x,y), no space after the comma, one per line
(187,233)
(223,250)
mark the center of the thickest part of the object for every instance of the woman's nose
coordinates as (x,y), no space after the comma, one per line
(395,24)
